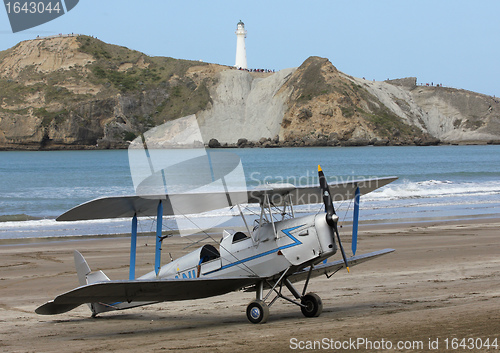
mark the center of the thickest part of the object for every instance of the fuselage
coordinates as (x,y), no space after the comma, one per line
(272,248)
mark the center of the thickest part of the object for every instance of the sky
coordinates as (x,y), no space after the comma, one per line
(452,42)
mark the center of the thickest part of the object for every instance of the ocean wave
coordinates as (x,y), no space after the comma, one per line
(404,199)
(64,193)
(433,189)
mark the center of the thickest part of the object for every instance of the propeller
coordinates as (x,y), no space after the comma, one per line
(330,211)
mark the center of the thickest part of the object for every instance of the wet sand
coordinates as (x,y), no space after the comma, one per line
(443,282)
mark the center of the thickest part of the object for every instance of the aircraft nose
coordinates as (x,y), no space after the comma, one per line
(326,235)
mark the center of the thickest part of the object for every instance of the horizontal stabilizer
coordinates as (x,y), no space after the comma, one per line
(51,308)
(97,276)
(144,291)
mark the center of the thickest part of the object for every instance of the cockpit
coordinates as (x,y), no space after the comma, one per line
(208,253)
(239,236)
(233,240)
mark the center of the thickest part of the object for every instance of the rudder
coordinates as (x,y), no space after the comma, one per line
(86,276)
(82,268)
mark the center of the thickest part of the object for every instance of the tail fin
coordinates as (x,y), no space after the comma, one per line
(82,268)
(86,276)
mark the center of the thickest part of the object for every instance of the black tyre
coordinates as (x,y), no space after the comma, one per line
(257,312)
(313,305)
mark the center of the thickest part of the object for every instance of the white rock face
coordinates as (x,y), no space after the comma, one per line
(245,107)
(397,99)
(449,115)
(452,117)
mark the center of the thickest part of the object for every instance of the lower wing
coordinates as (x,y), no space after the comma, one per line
(117,292)
(330,267)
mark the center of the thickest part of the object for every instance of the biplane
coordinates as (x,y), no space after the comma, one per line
(278,251)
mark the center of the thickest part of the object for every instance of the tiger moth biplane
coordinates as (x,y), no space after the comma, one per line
(272,255)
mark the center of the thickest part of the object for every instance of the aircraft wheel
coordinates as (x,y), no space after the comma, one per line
(257,312)
(313,305)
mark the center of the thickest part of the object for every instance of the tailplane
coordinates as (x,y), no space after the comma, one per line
(85,277)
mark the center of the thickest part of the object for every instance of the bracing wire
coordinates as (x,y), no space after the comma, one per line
(347,210)
(209,236)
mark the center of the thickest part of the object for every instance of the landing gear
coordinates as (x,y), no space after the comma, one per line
(312,305)
(257,312)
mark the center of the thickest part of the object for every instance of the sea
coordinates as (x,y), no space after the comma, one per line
(435,183)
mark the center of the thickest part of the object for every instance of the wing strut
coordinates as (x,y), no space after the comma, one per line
(355,219)
(133,248)
(159,225)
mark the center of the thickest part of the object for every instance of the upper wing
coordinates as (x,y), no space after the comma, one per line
(127,206)
(143,291)
(305,195)
(192,203)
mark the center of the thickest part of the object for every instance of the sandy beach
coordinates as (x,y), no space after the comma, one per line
(442,285)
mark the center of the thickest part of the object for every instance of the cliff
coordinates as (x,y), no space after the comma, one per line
(450,115)
(78,92)
(330,107)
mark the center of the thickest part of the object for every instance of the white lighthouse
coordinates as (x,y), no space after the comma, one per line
(241,52)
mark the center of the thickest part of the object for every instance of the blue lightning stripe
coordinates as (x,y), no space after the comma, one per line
(295,240)
(287,233)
